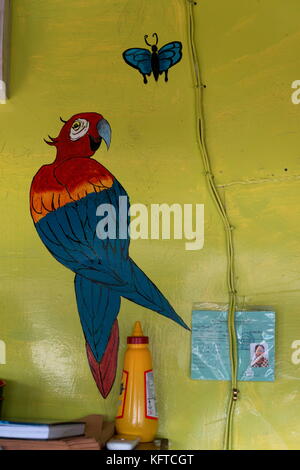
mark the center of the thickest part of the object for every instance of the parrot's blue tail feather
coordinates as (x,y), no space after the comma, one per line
(146,293)
(98,309)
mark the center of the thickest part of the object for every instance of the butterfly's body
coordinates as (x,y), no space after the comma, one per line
(156,61)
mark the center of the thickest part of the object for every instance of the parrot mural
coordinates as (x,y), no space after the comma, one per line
(64,198)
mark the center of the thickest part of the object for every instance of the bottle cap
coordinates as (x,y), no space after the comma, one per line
(137,335)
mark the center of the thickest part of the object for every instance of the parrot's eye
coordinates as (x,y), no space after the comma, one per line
(79,129)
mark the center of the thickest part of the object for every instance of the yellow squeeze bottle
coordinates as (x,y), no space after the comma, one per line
(137,413)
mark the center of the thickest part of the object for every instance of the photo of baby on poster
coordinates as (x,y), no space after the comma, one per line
(259,355)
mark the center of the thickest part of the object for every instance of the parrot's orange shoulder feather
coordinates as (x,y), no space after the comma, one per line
(56,185)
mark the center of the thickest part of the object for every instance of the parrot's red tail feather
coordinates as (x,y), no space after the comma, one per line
(104,372)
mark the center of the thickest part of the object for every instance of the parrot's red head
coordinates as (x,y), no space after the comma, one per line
(81,136)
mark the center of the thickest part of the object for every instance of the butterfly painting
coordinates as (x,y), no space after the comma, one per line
(156,61)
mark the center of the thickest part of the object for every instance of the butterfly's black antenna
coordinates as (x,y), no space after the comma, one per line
(145,37)
(62,120)
(154,34)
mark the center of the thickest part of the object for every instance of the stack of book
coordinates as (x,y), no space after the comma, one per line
(90,433)
(75,443)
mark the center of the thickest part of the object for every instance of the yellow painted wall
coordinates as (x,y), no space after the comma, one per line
(65,59)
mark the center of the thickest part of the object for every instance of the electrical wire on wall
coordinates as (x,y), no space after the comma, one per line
(199,87)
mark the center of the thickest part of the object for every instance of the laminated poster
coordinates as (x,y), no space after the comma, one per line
(210,345)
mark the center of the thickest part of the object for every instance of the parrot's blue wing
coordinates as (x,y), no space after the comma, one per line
(70,234)
(169,55)
(139,59)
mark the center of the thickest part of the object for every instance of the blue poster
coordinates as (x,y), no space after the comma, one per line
(210,345)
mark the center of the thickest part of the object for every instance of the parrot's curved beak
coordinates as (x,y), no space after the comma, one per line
(104,131)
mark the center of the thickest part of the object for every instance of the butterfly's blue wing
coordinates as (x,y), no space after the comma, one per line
(169,55)
(138,58)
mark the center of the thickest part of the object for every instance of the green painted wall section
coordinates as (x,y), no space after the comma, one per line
(66,58)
